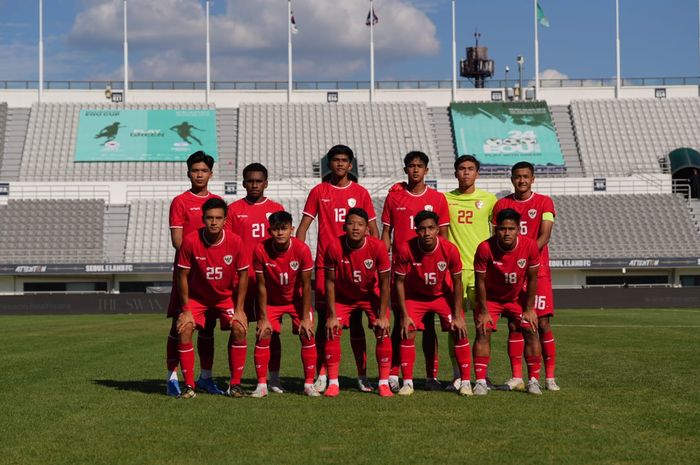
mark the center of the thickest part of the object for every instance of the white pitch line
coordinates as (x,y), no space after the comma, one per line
(626,326)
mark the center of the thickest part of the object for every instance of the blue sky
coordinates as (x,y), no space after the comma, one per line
(83,38)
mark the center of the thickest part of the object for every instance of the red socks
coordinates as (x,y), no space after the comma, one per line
(333,353)
(481,366)
(383,354)
(534,364)
(408,357)
(308,359)
(275,353)
(205,349)
(516,346)
(186,356)
(463,354)
(261,357)
(549,353)
(236,359)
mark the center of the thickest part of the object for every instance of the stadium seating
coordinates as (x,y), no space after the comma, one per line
(50,145)
(3,123)
(15,132)
(52,231)
(293,137)
(147,237)
(623,226)
(620,137)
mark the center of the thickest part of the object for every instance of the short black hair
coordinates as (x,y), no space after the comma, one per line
(279,219)
(214,203)
(522,164)
(426,215)
(357,212)
(339,150)
(410,156)
(199,157)
(462,158)
(508,214)
(255,167)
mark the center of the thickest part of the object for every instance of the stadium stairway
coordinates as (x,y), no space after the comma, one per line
(561,117)
(444,157)
(15,132)
(116,221)
(227,130)
(694,205)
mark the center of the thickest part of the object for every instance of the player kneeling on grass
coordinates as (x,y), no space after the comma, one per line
(283,268)
(209,260)
(357,278)
(428,280)
(504,264)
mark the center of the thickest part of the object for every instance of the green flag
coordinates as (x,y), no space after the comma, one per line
(541,18)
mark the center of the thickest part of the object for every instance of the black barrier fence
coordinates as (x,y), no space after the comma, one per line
(62,304)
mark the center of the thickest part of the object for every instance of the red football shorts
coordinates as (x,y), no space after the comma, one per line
(276,312)
(510,310)
(202,311)
(544,299)
(344,310)
(418,309)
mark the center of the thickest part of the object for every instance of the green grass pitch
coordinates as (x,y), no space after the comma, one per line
(90,390)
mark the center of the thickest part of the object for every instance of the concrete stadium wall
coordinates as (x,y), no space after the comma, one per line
(58,304)
(432,97)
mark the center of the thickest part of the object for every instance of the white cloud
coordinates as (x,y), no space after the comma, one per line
(166,38)
(553,74)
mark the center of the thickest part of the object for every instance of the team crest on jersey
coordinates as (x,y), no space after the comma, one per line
(428,208)
(522,262)
(479,204)
(368,263)
(294,265)
(228,259)
(352,203)
(442,266)
(532,213)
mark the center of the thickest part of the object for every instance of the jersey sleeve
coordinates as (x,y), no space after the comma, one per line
(497,207)
(443,211)
(185,255)
(454,261)
(386,211)
(401,262)
(481,257)
(368,205)
(307,263)
(177,214)
(311,206)
(383,262)
(533,255)
(242,260)
(259,258)
(331,258)
(548,206)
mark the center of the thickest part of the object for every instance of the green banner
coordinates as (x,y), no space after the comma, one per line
(502,134)
(145,135)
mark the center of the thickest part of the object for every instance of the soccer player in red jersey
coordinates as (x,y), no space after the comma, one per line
(330,202)
(357,280)
(428,280)
(208,263)
(247,217)
(404,201)
(185,218)
(283,265)
(504,264)
(537,221)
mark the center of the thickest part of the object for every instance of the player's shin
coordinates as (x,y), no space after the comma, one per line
(186,356)
(383,354)
(332,358)
(549,353)
(408,359)
(308,359)
(516,346)
(463,355)
(261,358)
(171,354)
(237,352)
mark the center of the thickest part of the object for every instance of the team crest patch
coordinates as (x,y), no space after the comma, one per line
(294,265)
(532,213)
(352,203)
(479,204)
(228,259)
(369,263)
(522,262)
(442,266)
(428,208)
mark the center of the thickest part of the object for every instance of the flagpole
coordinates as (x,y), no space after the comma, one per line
(126,54)
(618,81)
(208,89)
(41,49)
(537,54)
(454,52)
(290,79)
(371,51)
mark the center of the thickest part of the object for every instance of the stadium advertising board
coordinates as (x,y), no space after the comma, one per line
(144,135)
(501,134)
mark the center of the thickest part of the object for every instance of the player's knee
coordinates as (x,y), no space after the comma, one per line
(483,337)
(186,334)
(238,332)
(411,335)
(513,326)
(544,325)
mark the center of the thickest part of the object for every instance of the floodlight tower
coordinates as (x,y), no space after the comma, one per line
(477,66)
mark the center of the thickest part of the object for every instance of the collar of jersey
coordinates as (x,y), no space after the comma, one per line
(206,242)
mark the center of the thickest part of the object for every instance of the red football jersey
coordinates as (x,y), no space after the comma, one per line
(506,271)
(213,267)
(331,204)
(356,270)
(249,221)
(282,270)
(186,211)
(531,211)
(401,206)
(428,275)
